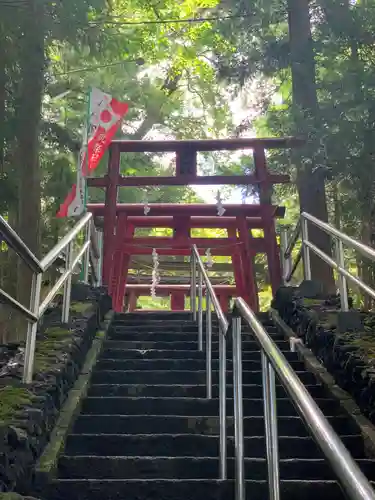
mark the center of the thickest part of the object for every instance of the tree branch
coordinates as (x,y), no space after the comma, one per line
(170,85)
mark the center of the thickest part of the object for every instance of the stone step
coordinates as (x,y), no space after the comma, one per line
(180,364)
(192,345)
(193,489)
(153,329)
(177,325)
(192,391)
(195,445)
(182,424)
(170,322)
(194,468)
(119,353)
(144,316)
(182,317)
(188,406)
(179,377)
(171,336)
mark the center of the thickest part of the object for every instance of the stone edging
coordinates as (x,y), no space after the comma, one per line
(344,398)
(47,463)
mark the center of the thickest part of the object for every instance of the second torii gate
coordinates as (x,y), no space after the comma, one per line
(120,220)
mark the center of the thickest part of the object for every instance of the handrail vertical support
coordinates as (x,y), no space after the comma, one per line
(86,260)
(200,311)
(193,286)
(342,280)
(67,285)
(208,345)
(212,301)
(28,367)
(222,405)
(238,410)
(286,262)
(306,250)
(100,260)
(270,421)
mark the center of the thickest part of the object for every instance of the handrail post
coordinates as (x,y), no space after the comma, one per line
(100,260)
(342,280)
(28,367)
(222,404)
(223,328)
(200,311)
(208,345)
(306,250)
(67,285)
(286,262)
(270,421)
(86,260)
(238,410)
(193,286)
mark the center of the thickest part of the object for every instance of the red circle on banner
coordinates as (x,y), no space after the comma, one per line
(105,116)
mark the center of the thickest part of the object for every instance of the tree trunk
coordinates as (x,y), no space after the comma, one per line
(28,123)
(367,267)
(344,25)
(310,178)
(336,206)
(2,99)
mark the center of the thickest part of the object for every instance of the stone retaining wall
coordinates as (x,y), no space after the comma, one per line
(343,342)
(28,414)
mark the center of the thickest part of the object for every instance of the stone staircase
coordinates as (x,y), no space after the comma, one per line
(146,431)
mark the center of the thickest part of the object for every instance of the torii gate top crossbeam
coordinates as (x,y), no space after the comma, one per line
(207,144)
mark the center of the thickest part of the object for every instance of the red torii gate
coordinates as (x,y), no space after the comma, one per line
(120,219)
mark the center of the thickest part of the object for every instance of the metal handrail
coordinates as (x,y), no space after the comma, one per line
(365,250)
(211,301)
(52,255)
(60,282)
(338,263)
(8,300)
(37,309)
(293,239)
(215,301)
(349,474)
(94,242)
(19,246)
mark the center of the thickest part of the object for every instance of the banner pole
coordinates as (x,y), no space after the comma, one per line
(86,163)
(88,121)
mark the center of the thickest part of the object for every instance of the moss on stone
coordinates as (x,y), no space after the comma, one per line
(48,461)
(365,344)
(51,346)
(57,333)
(328,320)
(11,400)
(55,341)
(311,302)
(80,307)
(11,495)
(42,363)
